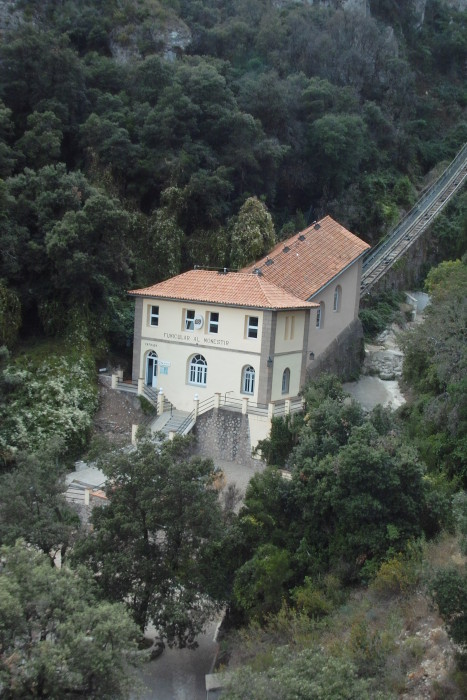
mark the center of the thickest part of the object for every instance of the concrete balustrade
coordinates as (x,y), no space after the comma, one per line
(160,402)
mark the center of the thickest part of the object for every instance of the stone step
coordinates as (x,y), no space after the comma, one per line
(169,422)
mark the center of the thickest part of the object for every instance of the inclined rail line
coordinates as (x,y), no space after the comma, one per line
(381,258)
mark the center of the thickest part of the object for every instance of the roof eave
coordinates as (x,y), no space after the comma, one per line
(312,304)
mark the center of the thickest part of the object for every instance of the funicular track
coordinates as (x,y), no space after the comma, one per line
(381,258)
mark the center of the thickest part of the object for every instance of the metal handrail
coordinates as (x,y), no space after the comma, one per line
(206,405)
(428,206)
(150,394)
(188,420)
(230,403)
(428,196)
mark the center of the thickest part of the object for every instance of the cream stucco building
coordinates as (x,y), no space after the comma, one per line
(251,333)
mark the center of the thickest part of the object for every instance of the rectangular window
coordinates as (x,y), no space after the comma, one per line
(252,327)
(213,322)
(318,318)
(289,327)
(190,320)
(154,316)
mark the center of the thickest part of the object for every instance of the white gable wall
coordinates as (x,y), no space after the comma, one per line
(334,322)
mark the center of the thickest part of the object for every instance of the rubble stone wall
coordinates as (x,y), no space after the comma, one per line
(225,435)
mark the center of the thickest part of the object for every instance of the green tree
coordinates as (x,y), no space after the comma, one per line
(260,584)
(45,398)
(435,364)
(41,142)
(276,448)
(267,511)
(87,251)
(449,591)
(42,72)
(165,237)
(65,242)
(32,505)
(7,154)
(153,546)
(338,145)
(252,233)
(108,143)
(10,316)
(57,639)
(361,501)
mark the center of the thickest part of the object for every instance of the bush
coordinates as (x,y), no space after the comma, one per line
(379,311)
(398,575)
(146,406)
(56,396)
(448,589)
(276,449)
(310,600)
(309,674)
(366,647)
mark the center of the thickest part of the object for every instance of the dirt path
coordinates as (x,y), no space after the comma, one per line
(116,413)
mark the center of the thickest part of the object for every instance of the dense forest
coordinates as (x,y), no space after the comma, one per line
(139,138)
(132,133)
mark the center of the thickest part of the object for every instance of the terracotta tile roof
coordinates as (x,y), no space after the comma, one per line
(230,289)
(308,260)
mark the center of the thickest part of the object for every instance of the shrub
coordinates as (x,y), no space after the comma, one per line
(397,576)
(146,406)
(448,589)
(312,601)
(379,311)
(49,397)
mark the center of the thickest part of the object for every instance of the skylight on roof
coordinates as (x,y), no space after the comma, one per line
(286,249)
(301,237)
(269,261)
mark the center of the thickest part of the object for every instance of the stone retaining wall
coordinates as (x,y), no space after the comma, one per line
(225,435)
(344,357)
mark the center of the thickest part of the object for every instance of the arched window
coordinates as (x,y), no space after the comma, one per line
(198,370)
(337,298)
(320,315)
(286,381)
(248,381)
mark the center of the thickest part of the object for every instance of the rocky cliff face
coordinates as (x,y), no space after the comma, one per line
(9,17)
(170,38)
(355,5)
(364,6)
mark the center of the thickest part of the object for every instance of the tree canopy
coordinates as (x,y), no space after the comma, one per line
(57,639)
(436,364)
(290,112)
(154,546)
(356,493)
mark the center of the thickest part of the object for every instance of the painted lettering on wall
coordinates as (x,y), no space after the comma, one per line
(215,341)
(196,339)
(182,336)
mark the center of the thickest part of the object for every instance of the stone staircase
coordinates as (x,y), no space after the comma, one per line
(172,422)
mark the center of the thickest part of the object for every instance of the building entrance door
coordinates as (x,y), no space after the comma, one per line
(151,369)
